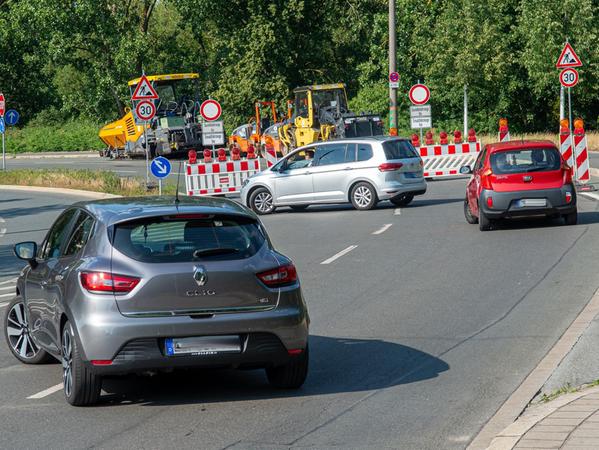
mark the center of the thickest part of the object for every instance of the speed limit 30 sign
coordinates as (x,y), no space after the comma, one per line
(145,110)
(568,77)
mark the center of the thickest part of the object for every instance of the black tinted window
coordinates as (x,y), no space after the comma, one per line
(57,235)
(180,239)
(80,233)
(364,152)
(330,154)
(524,161)
(399,150)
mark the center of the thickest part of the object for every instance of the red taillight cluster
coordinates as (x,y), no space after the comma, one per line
(280,276)
(389,167)
(102,282)
(568,196)
(485,179)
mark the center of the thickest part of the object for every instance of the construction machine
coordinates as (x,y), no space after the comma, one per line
(176,126)
(321,113)
(251,132)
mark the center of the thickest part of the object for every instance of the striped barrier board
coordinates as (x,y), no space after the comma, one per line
(583,172)
(225,177)
(445,160)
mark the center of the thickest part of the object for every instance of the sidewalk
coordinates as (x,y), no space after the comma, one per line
(568,422)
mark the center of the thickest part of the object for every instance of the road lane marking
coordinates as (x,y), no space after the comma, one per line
(382,229)
(397,212)
(11,294)
(46,392)
(7,287)
(2,305)
(590,195)
(9,281)
(339,255)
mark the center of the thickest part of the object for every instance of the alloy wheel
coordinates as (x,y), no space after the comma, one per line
(263,202)
(67,362)
(18,333)
(362,196)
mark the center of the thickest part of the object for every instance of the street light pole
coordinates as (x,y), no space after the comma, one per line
(392,68)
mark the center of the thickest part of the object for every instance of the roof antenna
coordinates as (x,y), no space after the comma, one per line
(177,190)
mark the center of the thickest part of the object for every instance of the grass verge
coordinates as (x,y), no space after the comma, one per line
(87,180)
(71,136)
(566,389)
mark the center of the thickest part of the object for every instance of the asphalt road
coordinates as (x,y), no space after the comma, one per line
(419,333)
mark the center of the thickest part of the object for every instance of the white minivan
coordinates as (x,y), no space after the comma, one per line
(362,171)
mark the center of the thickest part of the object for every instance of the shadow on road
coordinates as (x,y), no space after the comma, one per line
(11,213)
(584,218)
(337,365)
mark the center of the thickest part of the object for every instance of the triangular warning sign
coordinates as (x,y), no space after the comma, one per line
(568,58)
(144,90)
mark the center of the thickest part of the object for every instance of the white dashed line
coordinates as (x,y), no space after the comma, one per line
(12,280)
(382,229)
(6,288)
(590,195)
(339,255)
(397,212)
(46,392)
(2,230)
(10,294)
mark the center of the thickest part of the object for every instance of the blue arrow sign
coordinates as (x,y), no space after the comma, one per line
(160,167)
(11,117)
(1,125)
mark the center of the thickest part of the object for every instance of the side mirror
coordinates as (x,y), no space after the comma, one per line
(466,170)
(26,251)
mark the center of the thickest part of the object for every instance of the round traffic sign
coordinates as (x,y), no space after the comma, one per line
(394,77)
(419,94)
(568,77)
(210,110)
(160,167)
(12,117)
(145,110)
(2,104)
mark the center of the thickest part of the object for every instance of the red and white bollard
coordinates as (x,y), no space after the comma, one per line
(581,154)
(504,131)
(565,142)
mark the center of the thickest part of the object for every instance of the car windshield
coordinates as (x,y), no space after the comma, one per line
(192,237)
(525,160)
(398,149)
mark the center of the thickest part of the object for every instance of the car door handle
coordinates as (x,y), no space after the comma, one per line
(348,168)
(307,173)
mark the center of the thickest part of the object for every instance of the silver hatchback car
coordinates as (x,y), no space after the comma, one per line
(362,171)
(146,284)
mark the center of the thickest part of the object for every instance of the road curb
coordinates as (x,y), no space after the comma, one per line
(49,190)
(43,155)
(507,415)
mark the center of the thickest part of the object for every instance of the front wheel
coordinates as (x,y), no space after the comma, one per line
(17,334)
(402,200)
(571,219)
(261,201)
(363,196)
(291,375)
(81,386)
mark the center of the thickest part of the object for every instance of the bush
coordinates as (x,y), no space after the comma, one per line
(71,136)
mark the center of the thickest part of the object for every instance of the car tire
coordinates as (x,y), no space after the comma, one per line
(402,200)
(299,207)
(571,219)
(470,218)
(363,196)
(484,223)
(81,386)
(291,375)
(261,201)
(21,345)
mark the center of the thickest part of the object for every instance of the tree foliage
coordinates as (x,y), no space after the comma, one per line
(62,59)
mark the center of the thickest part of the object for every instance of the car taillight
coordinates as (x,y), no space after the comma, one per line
(388,167)
(280,276)
(490,202)
(568,196)
(102,282)
(567,174)
(485,179)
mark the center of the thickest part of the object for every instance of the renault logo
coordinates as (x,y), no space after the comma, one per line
(199,274)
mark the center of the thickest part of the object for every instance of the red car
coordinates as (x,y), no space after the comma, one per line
(519,179)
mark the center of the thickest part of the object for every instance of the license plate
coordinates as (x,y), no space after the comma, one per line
(202,345)
(535,202)
(412,174)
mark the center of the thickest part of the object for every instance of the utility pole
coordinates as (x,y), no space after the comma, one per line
(465,111)
(392,68)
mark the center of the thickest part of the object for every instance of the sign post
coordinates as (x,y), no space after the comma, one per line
(144,93)
(2,130)
(420,116)
(212,132)
(161,168)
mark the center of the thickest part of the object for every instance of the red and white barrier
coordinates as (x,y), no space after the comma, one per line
(445,160)
(565,142)
(271,155)
(504,131)
(581,154)
(222,177)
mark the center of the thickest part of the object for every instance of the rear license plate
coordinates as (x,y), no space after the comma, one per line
(412,174)
(202,345)
(535,202)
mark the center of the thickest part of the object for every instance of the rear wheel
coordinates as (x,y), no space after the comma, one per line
(291,375)
(16,331)
(363,196)
(470,218)
(571,219)
(261,201)
(402,200)
(484,223)
(81,386)
(299,207)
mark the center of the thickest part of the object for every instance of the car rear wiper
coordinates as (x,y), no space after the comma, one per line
(214,251)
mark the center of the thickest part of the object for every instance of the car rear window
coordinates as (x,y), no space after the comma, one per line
(184,238)
(399,150)
(525,160)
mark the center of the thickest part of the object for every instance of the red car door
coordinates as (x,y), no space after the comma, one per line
(473,188)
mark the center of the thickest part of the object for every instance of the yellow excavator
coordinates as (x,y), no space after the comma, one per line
(176,126)
(321,113)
